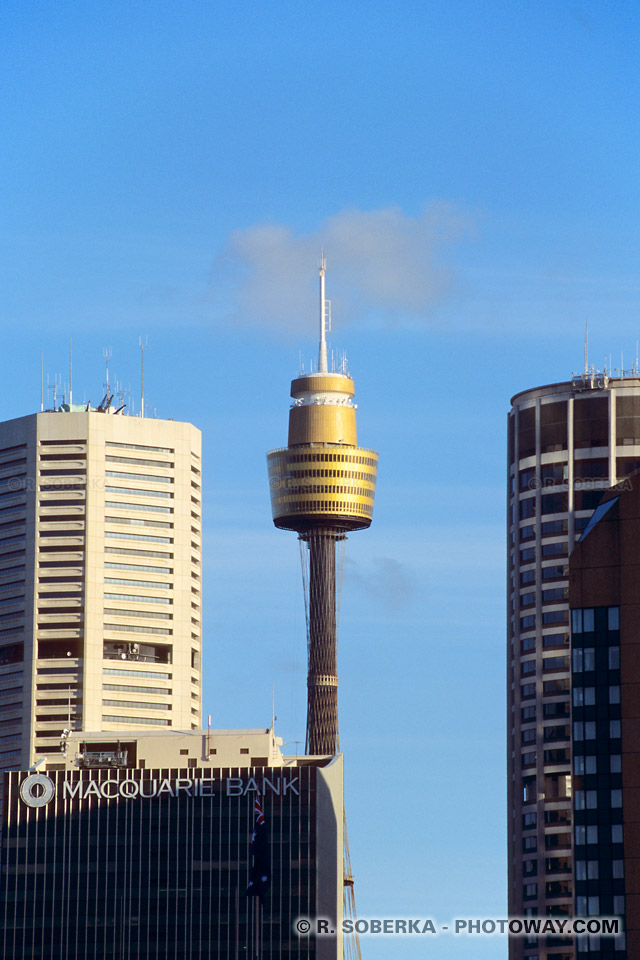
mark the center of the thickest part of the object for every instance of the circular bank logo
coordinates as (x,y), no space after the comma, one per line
(37,790)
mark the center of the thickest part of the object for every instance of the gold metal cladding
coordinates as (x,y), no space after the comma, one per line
(322,383)
(317,485)
(322,423)
(322,681)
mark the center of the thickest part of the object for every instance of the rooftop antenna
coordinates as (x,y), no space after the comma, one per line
(636,364)
(107,354)
(586,348)
(41,381)
(70,372)
(322,352)
(142,349)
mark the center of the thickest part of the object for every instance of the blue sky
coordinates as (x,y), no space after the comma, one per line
(171,170)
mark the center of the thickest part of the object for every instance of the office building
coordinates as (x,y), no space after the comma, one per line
(604,595)
(567,443)
(139,846)
(100,534)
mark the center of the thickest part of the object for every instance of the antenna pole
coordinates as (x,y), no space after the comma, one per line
(107,354)
(322,352)
(586,348)
(70,372)
(142,347)
(41,381)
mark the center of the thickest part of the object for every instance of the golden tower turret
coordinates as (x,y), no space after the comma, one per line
(322,486)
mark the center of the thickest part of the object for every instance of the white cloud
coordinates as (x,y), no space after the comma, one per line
(381,264)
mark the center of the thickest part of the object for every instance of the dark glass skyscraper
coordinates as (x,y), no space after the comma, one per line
(111,857)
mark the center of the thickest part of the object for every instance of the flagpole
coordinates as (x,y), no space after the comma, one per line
(257,936)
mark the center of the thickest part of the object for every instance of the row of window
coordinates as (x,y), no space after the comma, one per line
(588,799)
(136,567)
(586,696)
(584,659)
(117,474)
(144,507)
(583,621)
(140,463)
(589,833)
(137,598)
(589,764)
(323,458)
(134,522)
(586,730)
(138,492)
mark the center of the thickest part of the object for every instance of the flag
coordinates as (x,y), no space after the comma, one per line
(260,872)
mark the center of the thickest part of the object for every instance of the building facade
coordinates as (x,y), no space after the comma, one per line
(140,848)
(567,443)
(604,596)
(100,564)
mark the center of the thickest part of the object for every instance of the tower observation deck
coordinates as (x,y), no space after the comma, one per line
(322,486)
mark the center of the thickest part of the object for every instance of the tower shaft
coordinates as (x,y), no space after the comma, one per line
(322,676)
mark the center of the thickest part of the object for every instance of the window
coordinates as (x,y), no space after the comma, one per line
(527,480)
(584,696)
(614,729)
(527,690)
(529,844)
(555,616)
(527,508)
(528,622)
(558,709)
(529,821)
(614,694)
(554,549)
(528,667)
(614,658)
(527,714)
(555,663)
(616,833)
(617,869)
(528,736)
(613,618)
(616,798)
(558,593)
(530,891)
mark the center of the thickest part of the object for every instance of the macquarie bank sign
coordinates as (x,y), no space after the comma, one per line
(37,790)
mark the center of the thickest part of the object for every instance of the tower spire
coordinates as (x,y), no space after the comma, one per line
(322,350)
